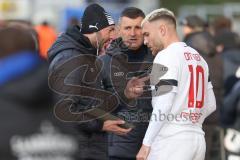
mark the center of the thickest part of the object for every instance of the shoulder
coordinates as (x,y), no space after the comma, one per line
(166,56)
(64,56)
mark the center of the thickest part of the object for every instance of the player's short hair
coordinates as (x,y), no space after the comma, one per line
(132,12)
(161,13)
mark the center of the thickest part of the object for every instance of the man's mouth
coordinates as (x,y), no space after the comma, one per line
(149,47)
(106,44)
(133,40)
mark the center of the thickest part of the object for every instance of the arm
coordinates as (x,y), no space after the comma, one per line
(92,126)
(62,83)
(210,102)
(161,104)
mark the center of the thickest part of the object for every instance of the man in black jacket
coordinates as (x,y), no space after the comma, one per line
(126,57)
(72,74)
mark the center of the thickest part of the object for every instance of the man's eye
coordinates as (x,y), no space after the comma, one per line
(138,27)
(146,34)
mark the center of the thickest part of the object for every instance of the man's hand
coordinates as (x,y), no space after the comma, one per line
(143,153)
(113,126)
(134,87)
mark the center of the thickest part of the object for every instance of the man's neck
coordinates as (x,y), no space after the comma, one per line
(171,40)
(92,39)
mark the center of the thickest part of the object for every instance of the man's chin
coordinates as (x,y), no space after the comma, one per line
(154,52)
(134,47)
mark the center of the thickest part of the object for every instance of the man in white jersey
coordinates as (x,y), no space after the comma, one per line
(179,136)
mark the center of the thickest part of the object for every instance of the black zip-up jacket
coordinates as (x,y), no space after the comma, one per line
(126,146)
(92,141)
(231,110)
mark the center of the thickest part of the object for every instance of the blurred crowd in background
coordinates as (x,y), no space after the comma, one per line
(28,127)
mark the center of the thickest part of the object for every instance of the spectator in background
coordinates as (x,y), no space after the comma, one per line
(73,21)
(221,24)
(231,108)
(228,45)
(2,23)
(197,36)
(26,101)
(46,37)
(27,26)
(192,24)
(231,121)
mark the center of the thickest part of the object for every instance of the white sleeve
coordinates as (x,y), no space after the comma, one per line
(166,60)
(161,104)
(165,70)
(210,102)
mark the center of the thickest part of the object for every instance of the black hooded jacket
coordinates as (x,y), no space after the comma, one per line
(24,102)
(26,105)
(126,146)
(231,110)
(69,45)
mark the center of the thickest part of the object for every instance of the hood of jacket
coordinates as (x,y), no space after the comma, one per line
(71,39)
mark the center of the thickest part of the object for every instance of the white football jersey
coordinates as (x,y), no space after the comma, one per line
(188,73)
(179,109)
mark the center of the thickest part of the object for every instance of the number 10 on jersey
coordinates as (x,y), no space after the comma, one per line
(198,88)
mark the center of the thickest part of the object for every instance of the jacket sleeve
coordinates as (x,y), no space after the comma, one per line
(229,109)
(92,126)
(79,103)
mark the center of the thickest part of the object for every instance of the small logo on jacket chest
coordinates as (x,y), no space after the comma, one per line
(118,74)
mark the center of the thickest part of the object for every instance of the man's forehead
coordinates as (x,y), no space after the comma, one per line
(127,20)
(146,25)
(110,27)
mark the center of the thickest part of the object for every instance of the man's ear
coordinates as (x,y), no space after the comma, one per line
(162,29)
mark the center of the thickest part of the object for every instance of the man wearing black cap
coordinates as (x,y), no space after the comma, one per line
(97,28)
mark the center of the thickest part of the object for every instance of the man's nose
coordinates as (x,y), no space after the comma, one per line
(133,32)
